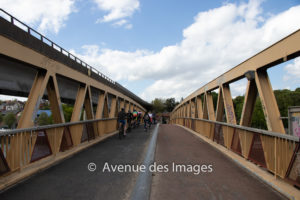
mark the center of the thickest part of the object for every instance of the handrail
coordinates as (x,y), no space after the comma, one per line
(38,128)
(255,130)
(52,44)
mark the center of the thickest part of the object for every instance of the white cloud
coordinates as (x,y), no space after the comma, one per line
(117,11)
(122,22)
(46,15)
(218,40)
(238,88)
(128,26)
(292,70)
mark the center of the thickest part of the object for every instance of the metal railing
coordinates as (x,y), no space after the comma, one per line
(20,148)
(38,128)
(250,129)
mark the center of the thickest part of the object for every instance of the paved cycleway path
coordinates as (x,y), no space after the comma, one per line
(71,178)
(226,181)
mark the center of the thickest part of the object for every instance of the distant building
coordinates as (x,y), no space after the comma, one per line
(11,106)
(15,107)
(3,106)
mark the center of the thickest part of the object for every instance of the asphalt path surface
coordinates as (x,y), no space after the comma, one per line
(226,181)
(71,178)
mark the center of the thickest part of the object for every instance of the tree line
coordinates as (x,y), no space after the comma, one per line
(160,105)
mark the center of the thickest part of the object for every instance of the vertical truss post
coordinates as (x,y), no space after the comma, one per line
(193,109)
(199,108)
(268,101)
(249,103)
(210,106)
(32,105)
(220,106)
(228,103)
(76,130)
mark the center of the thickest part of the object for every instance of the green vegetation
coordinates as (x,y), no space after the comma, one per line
(44,119)
(68,110)
(258,117)
(45,107)
(285,98)
(163,105)
(1,118)
(158,105)
(10,120)
(170,104)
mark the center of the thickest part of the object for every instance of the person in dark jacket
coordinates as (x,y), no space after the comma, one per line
(129,119)
(146,120)
(122,119)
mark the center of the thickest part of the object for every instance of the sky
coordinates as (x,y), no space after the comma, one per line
(169,48)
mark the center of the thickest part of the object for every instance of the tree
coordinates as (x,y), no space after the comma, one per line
(215,99)
(238,103)
(285,98)
(1,118)
(45,107)
(10,120)
(158,105)
(170,104)
(258,117)
(43,119)
(50,119)
(68,110)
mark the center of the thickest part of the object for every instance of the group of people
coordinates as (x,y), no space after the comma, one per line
(133,119)
(149,119)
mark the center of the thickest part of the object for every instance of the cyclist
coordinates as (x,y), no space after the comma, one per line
(146,120)
(129,119)
(135,114)
(150,119)
(139,118)
(154,118)
(122,120)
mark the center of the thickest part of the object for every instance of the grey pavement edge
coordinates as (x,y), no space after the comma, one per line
(142,186)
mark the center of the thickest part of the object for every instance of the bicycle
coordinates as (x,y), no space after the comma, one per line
(121,131)
(146,125)
(129,127)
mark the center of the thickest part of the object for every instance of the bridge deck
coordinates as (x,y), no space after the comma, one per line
(71,179)
(227,181)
